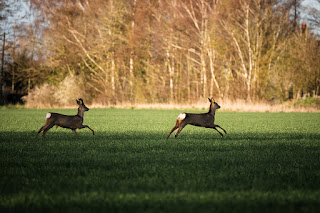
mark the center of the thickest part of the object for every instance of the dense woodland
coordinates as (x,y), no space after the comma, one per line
(161,51)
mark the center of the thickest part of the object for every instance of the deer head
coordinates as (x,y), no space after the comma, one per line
(82,107)
(213,105)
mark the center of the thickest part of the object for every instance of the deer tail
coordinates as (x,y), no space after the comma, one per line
(181,117)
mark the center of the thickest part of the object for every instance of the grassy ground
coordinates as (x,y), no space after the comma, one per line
(267,162)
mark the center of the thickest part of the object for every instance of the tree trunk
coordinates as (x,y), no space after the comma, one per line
(2,63)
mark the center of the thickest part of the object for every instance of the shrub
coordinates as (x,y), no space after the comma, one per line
(313,102)
(71,88)
(41,97)
(64,94)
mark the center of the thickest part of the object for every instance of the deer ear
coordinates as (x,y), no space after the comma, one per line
(209,99)
(78,102)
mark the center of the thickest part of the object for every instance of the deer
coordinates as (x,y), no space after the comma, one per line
(72,122)
(202,120)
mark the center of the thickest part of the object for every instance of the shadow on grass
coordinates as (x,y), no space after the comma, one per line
(175,202)
(138,171)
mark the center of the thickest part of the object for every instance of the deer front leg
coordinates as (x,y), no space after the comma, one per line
(75,133)
(218,131)
(221,128)
(86,126)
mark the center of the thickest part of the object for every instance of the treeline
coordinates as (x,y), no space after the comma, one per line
(167,51)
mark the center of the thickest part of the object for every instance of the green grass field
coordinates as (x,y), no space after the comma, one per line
(268,162)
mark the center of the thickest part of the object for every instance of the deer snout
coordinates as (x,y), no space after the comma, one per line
(85,108)
(217,105)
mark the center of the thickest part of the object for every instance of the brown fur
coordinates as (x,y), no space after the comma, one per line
(72,122)
(202,120)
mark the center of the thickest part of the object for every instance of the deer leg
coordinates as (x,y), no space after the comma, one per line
(221,128)
(46,129)
(181,126)
(39,131)
(75,133)
(86,126)
(174,128)
(217,131)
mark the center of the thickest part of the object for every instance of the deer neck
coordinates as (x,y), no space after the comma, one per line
(80,113)
(212,110)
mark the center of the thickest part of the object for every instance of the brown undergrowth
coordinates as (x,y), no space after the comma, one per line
(226,105)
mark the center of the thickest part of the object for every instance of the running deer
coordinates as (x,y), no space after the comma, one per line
(203,120)
(72,122)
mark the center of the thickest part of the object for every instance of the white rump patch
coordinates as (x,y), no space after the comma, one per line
(48,115)
(182,116)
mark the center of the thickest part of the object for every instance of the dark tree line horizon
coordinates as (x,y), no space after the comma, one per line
(162,51)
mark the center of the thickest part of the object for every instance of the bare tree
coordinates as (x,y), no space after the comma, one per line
(167,51)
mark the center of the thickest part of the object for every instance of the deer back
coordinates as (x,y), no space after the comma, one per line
(203,119)
(66,121)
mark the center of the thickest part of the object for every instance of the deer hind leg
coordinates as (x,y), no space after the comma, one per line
(181,126)
(86,126)
(174,128)
(46,129)
(75,133)
(40,131)
(221,128)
